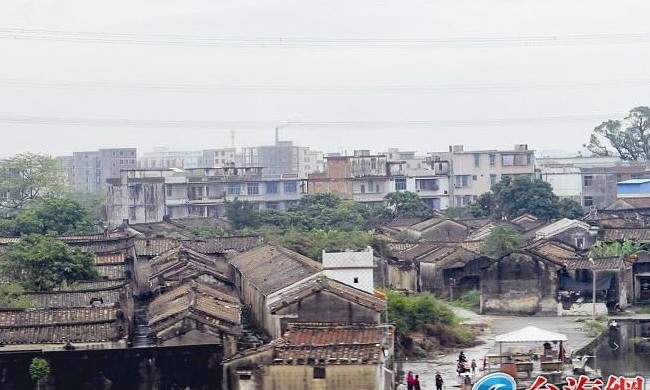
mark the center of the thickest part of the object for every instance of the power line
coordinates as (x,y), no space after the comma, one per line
(318,89)
(185,124)
(319,42)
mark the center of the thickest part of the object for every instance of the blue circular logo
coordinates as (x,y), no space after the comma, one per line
(496,381)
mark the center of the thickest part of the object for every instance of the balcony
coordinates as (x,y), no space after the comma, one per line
(369,197)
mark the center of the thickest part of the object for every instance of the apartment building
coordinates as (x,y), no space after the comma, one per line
(473,173)
(368,178)
(88,171)
(165,158)
(149,195)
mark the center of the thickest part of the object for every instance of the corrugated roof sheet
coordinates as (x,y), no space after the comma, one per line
(270,268)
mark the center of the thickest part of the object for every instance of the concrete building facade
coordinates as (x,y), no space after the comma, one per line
(354,268)
(88,171)
(148,195)
(473,173)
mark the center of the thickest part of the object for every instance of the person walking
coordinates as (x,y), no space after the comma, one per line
(416,383)
(410,381)
(473,365)
(439,381)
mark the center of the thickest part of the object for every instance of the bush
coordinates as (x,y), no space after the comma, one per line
(39,369)
(471,300)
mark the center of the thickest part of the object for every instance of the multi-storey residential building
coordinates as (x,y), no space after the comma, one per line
(88,171)
(591,181)
(223,157)
(148,195)
(473,173)
(165,158)
(282,157)
(368,178)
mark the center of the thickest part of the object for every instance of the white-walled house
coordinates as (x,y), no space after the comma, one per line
(354,268)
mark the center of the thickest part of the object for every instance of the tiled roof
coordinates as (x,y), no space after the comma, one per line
(634,203)
(322,283)
(109,258)
(196,300)
(554,250)
(610,235)
(225,244)
(326,334)
(474,246)
(103,247)
(596,264)
(79,325)
(163,230)
(183,263)
(524,218)
(426,224)
(475,223)
(96,284)
(69,299)
(154,247)
(113,271)
(417,251)
(328,344)
(560,226)
(458,258)
(396,247)
(271,268)
(403,222)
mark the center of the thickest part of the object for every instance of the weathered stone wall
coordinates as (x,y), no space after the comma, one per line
(519,284)
(402,277)
(344,376)
(324,306)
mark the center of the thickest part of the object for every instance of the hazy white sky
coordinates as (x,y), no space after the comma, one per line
(465,91)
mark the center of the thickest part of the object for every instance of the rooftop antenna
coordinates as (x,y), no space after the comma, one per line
(232,139)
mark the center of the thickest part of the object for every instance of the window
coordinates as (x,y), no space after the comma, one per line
(272,187)
(234,188)
(474,177)
(290,187)
(461,180)
(272,206)
(373,163)
(319,372)
(356,280)
(493,159)
(580,242)
(588,201)
(587,181)
(363,188)
(132,213)
(400,184)
(245,377)
(529,159)
(477,159)
(493,179)
(253,188)
(426,184)
(169,192)
(517,159)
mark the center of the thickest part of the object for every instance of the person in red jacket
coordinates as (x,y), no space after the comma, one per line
(410,381)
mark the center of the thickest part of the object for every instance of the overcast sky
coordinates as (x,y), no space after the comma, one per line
(418,75)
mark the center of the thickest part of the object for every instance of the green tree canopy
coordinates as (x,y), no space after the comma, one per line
(12,295)
(51,215)
(501,241)
(628,138)
(27,177)
(407,204)
(42,263)
(521,195)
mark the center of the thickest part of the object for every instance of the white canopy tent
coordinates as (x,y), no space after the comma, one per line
(531,334)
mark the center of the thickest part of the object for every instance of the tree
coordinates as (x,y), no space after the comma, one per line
(502,240)
(514,197)
(241,214)
(628,138)
(27,177)
(569,208)
(42,263)
(12,295)
(407,204)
